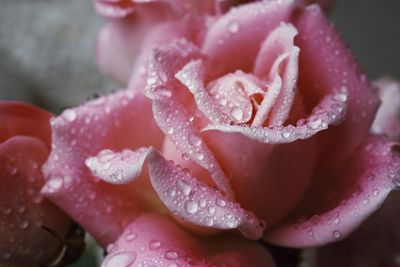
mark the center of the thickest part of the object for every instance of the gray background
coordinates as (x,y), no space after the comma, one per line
(47,50)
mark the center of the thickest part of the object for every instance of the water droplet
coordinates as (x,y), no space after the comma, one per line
(69,115)
(211,210)
(12,169)
(286,135)
(185,156)
(171,192)
(340,97)
(154,244)
(223,101)
(184,187)
(375,192)
(24,224)
(221,202)
(237,114)
(123,259)
(202,203)
(6,210)
(233,27)
(314,124)
(171,255)
(194,140)
(336,221)
(170,130)
(55,183)
(199,156)
(130,237)
(21,209)
(209,221)
(191,207)
(337,234)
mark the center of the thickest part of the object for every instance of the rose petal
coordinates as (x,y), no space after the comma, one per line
(240,32)
(114,9)
(173,118)
(24,213)
(154,239)
(326,64)
(117,168)
(24,119)
(330,111)
(382,227)
(387,120)
(332,211)
(112,122)
(196,202)
(285,33)
(192,76)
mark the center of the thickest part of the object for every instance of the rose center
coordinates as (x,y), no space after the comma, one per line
(238,94)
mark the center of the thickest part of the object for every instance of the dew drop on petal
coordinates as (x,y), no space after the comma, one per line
(69,115)
(337,234)
(191,207)
(194,140)
(130,237)
(237,114)
(171,255)
(123,259)
(154,244)
(233,27)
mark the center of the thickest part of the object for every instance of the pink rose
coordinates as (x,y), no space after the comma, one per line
(269,116)
(33,231)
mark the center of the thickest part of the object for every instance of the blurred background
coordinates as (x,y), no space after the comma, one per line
(47,50)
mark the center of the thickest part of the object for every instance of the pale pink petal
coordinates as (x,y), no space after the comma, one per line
(114,9)
(331,211)
(326,64)
(375,243)
(196,202)
(192,76)
(165,62)
(23,119)
(271,94)
(119,121)
(330,111)
(186,29)
(32,229)
(157,240)
(117,167)
(279,42)
(387,120)
(236,94)
(170,113)
(233,41)
(175,121)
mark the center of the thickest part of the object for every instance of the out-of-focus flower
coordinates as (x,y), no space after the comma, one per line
(33,231)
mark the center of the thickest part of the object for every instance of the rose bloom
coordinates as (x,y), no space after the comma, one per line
(256,121)
(33,231)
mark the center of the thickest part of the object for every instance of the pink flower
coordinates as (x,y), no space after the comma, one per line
(269,116)
(33,231)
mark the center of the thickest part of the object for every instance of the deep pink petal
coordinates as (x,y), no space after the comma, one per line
(156,240)
(325,65)
(119,121)
(198,203)
(331,111)
(31,227)
(375,243)
(23,119)
(387,120)
(331,213)
(233,41)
